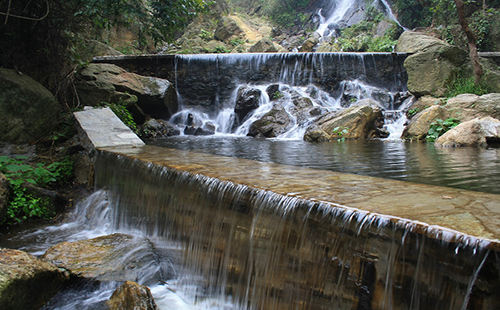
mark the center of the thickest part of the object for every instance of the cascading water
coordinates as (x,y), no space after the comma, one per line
(233,91)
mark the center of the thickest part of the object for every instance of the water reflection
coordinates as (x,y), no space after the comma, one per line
(468,168)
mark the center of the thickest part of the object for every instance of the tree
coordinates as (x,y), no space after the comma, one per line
(471,40)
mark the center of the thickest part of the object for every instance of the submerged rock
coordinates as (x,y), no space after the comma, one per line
(132,296)
(476,132)
(27,282)
(116,257)
(28,111)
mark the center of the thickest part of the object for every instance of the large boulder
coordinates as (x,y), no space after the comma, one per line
(27,282)
(419,125)
(357,122)
(434,64)
(144,96)
(4,196)
(469,106)
(414,42)
(476,132)
(116,257)
(132,296)
(28,111)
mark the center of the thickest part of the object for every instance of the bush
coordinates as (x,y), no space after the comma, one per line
(440,127)
(25,205)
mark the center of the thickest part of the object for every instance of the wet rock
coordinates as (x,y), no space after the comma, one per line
(158,128)
(275,122)
(189,130)
(145,96)
(248,99)
(358,122)
(132,296)
(28,111)
(116,257)
(206,130)
(4,196)
(476,132)
(264,45)
(27,282)
(419,125)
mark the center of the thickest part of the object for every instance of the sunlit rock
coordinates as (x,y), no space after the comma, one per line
(227,29)
(264,45)
(476,132)
(469,106)
(132,296)
(27,282)
(357,122)
(420,123)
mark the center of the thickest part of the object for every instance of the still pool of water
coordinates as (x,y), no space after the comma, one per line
(468,168)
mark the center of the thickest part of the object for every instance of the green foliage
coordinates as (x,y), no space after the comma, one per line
(205,35)
(24,205)
(413,112)
(439,127)
(160,19)
(340,133)
(121,110)
(277,95)
(236,42)
(221,50)
(463,84)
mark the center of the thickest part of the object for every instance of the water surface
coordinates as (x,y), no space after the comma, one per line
(469,168)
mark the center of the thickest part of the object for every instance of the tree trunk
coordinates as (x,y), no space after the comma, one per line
(471,39)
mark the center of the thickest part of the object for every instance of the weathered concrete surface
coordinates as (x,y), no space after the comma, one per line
(471,213)
(104,128)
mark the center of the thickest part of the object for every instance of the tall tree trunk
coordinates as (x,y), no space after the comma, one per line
(471,39)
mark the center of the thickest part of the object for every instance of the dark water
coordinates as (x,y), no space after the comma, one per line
(469,168)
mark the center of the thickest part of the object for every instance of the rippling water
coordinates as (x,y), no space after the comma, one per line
(469,168)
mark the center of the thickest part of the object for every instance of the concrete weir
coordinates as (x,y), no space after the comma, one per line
(354,242)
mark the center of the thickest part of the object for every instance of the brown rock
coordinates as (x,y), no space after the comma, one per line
(420,123)
(116,257)
(27,282)
(132,296)
(466,107)
(476,132)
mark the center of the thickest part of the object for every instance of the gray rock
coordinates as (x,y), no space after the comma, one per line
(468,106)
(28,111)
(158,128)
(27,282)
(275,122)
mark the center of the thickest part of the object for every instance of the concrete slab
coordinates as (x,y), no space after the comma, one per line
(105,129)
(434,208)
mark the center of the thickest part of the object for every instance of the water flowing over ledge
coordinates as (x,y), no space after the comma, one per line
(283,237)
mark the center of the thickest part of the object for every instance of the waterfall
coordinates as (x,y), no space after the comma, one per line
(208,86)
(238,247)
(340,9)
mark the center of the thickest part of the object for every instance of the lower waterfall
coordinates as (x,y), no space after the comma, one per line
(237,247)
